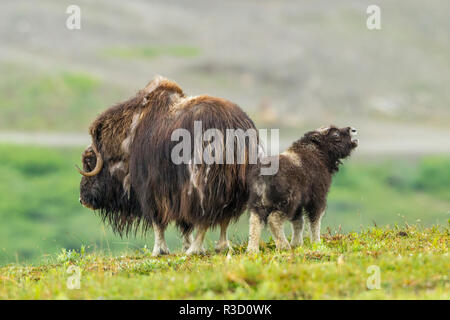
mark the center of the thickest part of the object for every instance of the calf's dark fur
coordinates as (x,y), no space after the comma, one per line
(300,186)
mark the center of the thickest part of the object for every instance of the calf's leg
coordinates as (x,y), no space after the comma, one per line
(256,226)
(276,222)
(297,232)
(314,224)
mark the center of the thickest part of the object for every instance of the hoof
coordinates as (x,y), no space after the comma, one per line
(195,250)
(160,252)
(224,247)
(284,246)
(296,244)
(252,250)
(191,252)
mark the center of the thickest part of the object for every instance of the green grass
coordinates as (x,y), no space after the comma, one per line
(413,264)
(147,52)
(40,213)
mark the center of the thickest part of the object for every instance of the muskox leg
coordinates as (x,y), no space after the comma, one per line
(276,222)
(297,232)
(223,243)
(314,224)
(160,246)
(197,246)
(256,226)
(187,241)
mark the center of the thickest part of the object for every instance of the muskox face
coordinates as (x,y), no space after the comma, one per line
(92,187)
(104,192)
(99,190)
(102,186)
(338,143)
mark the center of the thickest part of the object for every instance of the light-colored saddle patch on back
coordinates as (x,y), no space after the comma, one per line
(179,102)
(154,84)
(293,157)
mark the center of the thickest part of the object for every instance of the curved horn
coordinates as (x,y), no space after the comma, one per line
(98,165)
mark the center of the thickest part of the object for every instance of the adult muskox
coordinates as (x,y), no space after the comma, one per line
(131,180)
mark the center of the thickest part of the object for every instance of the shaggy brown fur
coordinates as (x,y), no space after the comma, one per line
(140,185)
(300,187)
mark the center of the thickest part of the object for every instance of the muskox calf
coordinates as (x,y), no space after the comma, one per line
(300,186)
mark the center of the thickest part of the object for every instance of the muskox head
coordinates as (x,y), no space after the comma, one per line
(106,184)
(334,142)
(102,190)
(93,183)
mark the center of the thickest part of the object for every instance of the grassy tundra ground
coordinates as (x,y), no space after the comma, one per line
(413,263)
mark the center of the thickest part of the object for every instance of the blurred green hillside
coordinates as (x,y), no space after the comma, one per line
(40,213)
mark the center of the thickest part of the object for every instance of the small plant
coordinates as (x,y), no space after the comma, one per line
(158,265)
(71,256)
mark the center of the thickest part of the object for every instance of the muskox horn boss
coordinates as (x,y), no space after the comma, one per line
(98,166)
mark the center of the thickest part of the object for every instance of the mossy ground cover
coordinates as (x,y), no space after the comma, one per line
(413,264)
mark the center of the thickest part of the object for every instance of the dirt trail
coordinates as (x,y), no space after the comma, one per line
(403,142)
(45,139)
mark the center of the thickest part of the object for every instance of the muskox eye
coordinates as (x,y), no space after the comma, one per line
(89,162)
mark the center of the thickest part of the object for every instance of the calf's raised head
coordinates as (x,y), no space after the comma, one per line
(335,143)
